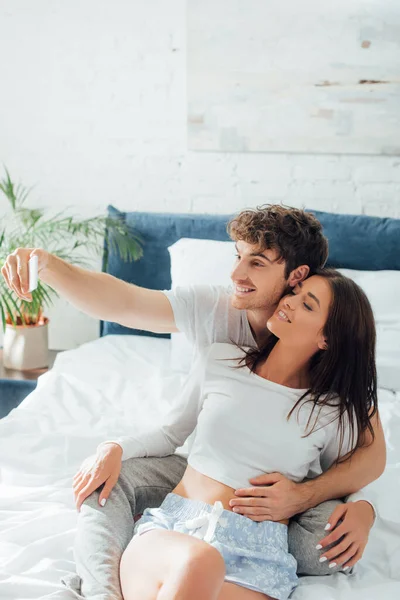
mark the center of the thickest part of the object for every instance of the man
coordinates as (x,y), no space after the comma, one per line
(277,247)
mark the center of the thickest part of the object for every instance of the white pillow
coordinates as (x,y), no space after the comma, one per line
(210,262)
(383,291)
(198,262)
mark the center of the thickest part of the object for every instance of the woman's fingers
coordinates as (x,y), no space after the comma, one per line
(335,536)
(343,559)
(343,556)
(354,560)
(85,481)
(333,553)
(104,467)
(337,514)
(79,484)
(85,492)
(79,475)
(106,491)
(76,476)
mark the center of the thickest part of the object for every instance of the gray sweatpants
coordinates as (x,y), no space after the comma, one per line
(104,533)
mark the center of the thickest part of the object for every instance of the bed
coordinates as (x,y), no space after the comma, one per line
(124,380)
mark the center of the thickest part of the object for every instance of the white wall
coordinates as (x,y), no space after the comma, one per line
(93,111)
(290,80)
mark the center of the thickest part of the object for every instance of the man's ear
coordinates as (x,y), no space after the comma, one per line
(299,274)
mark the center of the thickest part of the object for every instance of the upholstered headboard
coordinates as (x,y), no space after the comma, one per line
(355,242)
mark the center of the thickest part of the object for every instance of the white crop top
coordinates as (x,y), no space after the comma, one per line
(242,427)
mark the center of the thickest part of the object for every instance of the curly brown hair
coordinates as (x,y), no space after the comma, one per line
(294,233)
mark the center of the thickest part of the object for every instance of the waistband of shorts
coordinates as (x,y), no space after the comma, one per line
(182,508)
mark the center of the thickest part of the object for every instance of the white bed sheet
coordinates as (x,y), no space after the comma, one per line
(112,386)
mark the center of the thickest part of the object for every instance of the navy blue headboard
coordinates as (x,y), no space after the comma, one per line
(355,242)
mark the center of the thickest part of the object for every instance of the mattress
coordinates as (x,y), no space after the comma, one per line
(111,387)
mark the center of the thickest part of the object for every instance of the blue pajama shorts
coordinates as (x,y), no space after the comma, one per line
(256,555)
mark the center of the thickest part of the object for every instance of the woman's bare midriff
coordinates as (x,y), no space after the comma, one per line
(196,486)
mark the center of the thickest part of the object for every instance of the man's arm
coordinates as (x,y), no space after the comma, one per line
(367,464)
(277,497)
(99,295)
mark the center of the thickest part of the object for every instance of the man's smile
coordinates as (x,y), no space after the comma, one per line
(243,290)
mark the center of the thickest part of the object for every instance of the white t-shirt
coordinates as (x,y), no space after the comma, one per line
(242,430)
(205,315)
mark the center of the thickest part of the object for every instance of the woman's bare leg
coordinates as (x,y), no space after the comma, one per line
(230,591)
(167,565)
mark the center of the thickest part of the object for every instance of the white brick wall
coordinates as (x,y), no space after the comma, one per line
(93,111)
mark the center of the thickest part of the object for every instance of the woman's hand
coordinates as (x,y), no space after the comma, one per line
(104,467)
(351,536)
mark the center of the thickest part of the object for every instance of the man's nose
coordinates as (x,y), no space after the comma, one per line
(239,271)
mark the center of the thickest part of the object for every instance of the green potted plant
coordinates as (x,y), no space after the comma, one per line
(25,326)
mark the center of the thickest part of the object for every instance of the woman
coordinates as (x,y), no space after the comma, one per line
(302,401)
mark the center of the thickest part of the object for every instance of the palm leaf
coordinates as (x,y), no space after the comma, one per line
(17,307)
(10,312)
(29,217)
(44,294)
(68,237)
(3,317)
(7,187)
(22,194)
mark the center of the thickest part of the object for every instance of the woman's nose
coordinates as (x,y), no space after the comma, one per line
(288,302)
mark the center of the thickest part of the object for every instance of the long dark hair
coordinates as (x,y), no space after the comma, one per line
(346,370)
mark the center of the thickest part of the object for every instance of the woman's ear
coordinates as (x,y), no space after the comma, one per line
(323,344)
(298,275)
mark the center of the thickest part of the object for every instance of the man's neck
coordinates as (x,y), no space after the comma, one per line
(258,323)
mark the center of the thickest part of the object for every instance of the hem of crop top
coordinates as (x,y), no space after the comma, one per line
(206,469)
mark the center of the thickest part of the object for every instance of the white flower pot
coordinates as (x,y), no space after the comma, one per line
(26,347)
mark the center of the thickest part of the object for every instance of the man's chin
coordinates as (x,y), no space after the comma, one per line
(250,303)
(241,302)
